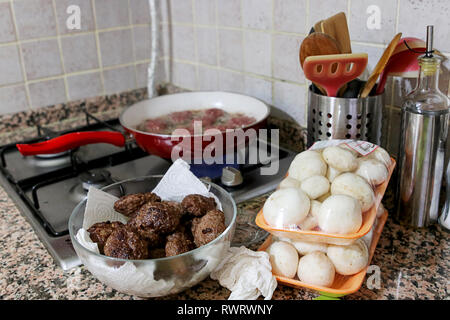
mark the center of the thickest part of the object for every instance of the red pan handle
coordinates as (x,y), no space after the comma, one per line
(71,141)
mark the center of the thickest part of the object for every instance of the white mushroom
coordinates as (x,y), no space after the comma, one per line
(373,171)
(283,258)
(340,214)
(317,269)
(289,182)
(380,210)
(286,207)
(353,185)
(332,173)
(315,186)
(311,220)
(314,208)
(381,155)
(324,197)
(349,259)
(340,159)
(305,247)
(307,164)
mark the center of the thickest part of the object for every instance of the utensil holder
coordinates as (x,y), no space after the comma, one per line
(344,118)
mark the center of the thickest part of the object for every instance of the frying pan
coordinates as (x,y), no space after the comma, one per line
(159,144)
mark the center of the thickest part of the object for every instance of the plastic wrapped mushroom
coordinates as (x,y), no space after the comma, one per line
(349,259)
(340,214)
(381,155)
(340,159)
(353,185)
(373,171)
(311,221)
(315,186)
(289,182)
(307,164)
(305,247)
(286,207)
(317,269)
(283,258)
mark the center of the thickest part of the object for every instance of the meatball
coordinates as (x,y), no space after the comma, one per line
(155,217)
(153,238)
(178,243)
(99,232)
(124,243)
(208,227)
(198,205)
(128,205)
(156,253)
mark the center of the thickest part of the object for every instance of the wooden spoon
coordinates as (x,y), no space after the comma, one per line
(380,66)
(317,44)
(336,27)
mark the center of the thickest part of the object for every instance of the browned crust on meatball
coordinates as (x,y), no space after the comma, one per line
(208,227)
(156,217)
(124,243)
(129,204)
(99,232)
(178,243)
(198,205)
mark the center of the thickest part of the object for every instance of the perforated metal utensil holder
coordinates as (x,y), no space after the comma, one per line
(344,118)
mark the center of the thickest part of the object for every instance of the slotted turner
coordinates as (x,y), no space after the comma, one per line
(334,70)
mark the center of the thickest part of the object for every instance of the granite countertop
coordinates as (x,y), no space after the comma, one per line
(414,264)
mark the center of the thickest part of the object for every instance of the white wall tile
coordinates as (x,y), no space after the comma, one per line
(41,59)
(361,30)
(229,13)
(11,71)
(231,81)
(84,85)
(35,19)
(79,52)
(286,64)
(206,45)
(185,75)
(231,49)
(320,10)
(208,78)
(374,55)
(290,16)
(86,19)
(291,98)
(257,14)
(14,99)
(111,13)
(259,88)
(140,11)
(183,42)
(181,11)
(258,52)
(119,79)
(142,42)
(7,32)
(47,93)
(416,15)
(205,12)
(116,47)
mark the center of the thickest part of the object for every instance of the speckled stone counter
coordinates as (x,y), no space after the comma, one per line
(414,264)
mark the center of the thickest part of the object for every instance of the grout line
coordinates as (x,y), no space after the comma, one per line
(397,17)
(61,56)
(196,55)
(22,60)
(97,43)
(133,44)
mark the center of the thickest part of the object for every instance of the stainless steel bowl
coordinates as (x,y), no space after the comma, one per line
(155,277)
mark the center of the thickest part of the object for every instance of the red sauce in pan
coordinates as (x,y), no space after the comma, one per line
(210,118)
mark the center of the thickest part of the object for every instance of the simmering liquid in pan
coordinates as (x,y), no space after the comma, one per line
(210,118)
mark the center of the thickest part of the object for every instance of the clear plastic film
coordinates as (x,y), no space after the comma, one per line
(331,193)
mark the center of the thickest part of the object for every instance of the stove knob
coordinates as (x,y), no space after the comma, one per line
(231,177)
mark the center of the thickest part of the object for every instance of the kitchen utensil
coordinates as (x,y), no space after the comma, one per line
(344,118)
(342,285)
(175,273)
(403,62)
(380,66)
(158,144)
(333,71)
(352,89)
(316,44)
(336,27)
(331,238)
(424,129)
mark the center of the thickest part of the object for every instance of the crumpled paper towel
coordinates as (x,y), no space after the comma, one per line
(246,273)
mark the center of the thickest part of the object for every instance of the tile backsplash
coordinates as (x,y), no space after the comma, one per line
(247,46)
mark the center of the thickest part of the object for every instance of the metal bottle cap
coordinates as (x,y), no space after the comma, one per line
(231,177)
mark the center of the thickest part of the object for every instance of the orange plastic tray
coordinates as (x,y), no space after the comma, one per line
(331,238)
(342,285)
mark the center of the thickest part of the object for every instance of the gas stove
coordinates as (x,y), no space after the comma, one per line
(46,188)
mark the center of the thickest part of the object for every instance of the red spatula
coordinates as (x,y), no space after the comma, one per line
(334,70)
